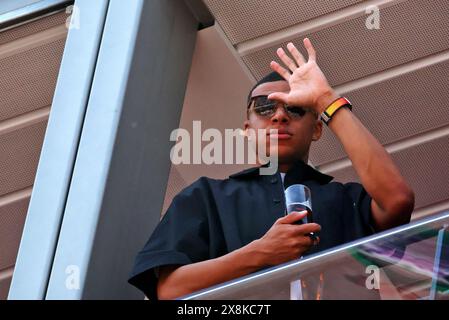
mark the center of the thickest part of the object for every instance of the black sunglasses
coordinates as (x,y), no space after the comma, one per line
(264,107)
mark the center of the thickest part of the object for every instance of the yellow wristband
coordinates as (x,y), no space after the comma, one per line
(327,115)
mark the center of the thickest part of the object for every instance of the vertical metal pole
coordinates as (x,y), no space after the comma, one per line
(121,171)
(48,200)
(440,255)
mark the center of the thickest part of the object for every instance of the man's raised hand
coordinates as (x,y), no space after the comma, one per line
(308,85)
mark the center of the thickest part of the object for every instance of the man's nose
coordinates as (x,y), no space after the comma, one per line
(280,115)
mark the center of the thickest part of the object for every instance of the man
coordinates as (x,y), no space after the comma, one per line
(218,230)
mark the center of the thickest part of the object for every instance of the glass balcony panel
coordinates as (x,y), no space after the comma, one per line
(407,263)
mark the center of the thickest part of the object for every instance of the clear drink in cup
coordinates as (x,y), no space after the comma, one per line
(299,198)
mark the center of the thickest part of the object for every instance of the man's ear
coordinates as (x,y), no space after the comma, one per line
(317,130)
(246,125)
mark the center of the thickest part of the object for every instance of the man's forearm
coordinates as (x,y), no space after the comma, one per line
(377,171)
(196,276)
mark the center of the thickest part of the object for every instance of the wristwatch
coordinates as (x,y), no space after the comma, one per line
(330,111)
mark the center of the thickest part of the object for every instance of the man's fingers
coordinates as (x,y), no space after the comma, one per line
(316,241)
(292,217)
(287,60)
(310,49)
(281,70)
(312,240)
(278,96)
(299,58)
(307,228)
(297,61)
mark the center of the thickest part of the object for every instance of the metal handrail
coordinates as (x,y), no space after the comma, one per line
(31,12)
(322,256)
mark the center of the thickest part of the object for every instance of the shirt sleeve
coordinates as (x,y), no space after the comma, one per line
(181,237)
(360,213)
(391,249)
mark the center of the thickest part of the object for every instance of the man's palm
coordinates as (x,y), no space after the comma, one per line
(307,81)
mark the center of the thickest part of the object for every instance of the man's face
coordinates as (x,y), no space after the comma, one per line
(295,134)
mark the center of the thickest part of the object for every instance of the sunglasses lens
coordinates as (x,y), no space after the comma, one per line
(296,111)
(266,110)
(262,101)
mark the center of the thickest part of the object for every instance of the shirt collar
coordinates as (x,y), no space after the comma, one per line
(298,172)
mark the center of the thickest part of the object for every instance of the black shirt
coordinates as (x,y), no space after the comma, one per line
(211,218)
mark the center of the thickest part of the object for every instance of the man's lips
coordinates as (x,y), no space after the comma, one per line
(281,134)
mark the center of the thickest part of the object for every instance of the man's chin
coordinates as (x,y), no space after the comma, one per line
(284,153)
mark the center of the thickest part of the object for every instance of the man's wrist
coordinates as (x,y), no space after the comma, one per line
(325,100)
(255,252)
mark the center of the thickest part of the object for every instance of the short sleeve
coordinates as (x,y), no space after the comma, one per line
(360,201)
(389,250)
(181,238)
